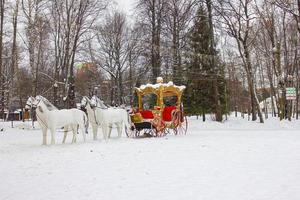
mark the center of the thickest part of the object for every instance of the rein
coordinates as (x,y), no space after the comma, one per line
(94,108)
(87,101)
(29,105)
(43,123)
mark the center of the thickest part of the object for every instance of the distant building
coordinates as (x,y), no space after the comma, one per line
(84,68)
(17,115)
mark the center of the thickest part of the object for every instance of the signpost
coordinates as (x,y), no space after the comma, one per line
(290,93)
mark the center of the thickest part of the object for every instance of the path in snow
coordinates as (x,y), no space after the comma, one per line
(235,160)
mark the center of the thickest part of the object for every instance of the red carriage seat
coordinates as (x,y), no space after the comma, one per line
(167,113)
(147,114)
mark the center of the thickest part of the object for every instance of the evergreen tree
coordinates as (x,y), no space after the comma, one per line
(204,70)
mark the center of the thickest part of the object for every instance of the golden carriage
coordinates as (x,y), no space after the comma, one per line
(158,110)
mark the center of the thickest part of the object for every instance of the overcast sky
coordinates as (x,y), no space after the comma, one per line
(126,5)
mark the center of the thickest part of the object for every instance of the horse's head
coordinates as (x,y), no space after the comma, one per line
(85,102)
(30,102)
(37,100)
(93,101)
(98,102)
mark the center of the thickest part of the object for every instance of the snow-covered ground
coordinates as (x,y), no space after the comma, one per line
(234,160)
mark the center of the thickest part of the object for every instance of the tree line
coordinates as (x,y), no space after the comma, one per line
(231,55)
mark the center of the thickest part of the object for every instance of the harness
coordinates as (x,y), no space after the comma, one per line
(94,108)
(38,117)
(43,123)
(27,104)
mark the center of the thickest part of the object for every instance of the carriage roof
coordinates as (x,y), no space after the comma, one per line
(167,89)
(161,90)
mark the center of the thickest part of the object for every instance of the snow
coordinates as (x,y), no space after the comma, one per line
(158,85)
(233,160)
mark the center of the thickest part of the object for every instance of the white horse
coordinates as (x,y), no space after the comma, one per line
(29,105)
(49,117)
(106,118)
(95,101)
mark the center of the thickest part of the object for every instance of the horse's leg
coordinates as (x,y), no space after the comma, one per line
(74,130)
(44,130)
(95,130)
(119,128)
(83,131)
(65,134)
(104,130)
(109,130)
(52,130)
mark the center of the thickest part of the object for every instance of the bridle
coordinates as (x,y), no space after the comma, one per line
(30,104)
(85,102)
(35,105)
(37,115)
(93,107)
(99,102)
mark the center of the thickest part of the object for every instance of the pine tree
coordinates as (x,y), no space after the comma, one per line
(206,83)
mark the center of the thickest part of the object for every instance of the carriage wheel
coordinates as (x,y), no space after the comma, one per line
(179,123)
(132,132)
(167,131)
(146,132)
(149,132)
(159,132)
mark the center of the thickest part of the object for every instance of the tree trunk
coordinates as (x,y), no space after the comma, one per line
(218,109)
(176,60)
(155,43)
(14,55)
(130,77)
(297,90)
(252,89)
(120,89)
(112,91)
(261,119)
(1,60)
(297,100)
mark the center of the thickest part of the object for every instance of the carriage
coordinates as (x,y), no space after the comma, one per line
(158,110)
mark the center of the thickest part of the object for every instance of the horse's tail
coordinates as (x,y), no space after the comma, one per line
(86,122)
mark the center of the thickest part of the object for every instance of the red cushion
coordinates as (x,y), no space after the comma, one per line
(167,113)
(147,114)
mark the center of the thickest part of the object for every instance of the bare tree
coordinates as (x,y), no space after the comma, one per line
(73,19)
(32,12)
(2,3)
(290,6)
(137,68)
(238,20)
(152,14)
(277,41)
(113,39)
(265,43)
(178,20)
(13,74)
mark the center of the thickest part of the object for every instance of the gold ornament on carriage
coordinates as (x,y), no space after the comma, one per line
(155,110)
